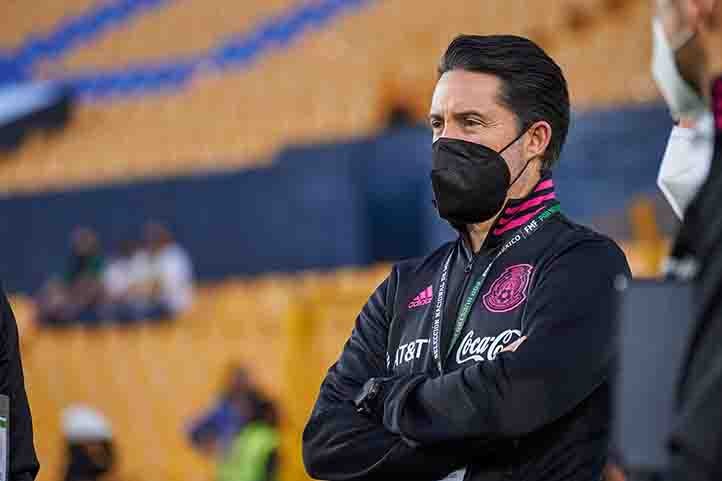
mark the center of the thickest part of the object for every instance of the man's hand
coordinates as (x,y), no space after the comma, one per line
(612,472)
(370,400)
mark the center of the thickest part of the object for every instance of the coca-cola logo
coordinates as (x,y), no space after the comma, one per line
(484,348)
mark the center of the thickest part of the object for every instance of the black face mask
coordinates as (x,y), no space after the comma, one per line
(470,180)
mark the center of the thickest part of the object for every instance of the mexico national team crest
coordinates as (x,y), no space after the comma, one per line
(509,290)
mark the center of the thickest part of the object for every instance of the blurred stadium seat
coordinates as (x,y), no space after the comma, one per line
(334,83)
(157,36)
(29,20)
(151,381)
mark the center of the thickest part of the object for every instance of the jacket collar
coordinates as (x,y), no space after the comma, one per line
(517,212)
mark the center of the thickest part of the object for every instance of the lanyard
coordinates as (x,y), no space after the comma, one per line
(522,233)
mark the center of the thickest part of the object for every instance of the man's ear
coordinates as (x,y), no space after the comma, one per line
(538,139)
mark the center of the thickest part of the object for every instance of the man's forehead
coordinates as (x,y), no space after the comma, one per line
(459,91)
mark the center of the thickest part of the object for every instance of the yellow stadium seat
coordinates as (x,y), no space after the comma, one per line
(334,83)
(151,380)
(23,20)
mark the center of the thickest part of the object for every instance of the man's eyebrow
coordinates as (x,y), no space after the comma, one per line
(469,112)
(483,117)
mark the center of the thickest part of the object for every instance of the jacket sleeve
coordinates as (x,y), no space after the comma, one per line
(695,444)
(566,356)
(341,444)
(23,461)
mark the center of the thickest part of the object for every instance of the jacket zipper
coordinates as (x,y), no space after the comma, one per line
(468,269)
(470,264)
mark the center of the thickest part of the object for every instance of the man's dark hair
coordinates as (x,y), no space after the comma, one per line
(533,85)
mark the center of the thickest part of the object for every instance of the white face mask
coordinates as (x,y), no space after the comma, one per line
(682,100)
(686,163)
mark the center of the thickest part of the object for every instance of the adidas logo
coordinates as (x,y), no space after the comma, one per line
(422,299)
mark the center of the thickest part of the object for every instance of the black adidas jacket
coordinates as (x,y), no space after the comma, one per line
(540,413)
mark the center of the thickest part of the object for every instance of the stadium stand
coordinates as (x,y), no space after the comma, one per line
(150,382)
(153,37)
(334,83)
(72,31)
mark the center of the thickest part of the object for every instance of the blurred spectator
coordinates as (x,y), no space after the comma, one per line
(86,261)
(214,432)
(148,280)
(84,274)
(126,284)
(118,277)
(89,443)
(77,296)
(171,273)
(254,453)
(54,306)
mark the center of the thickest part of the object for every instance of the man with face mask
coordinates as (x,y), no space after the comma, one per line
(489,358)
(685,31)
(678,67)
